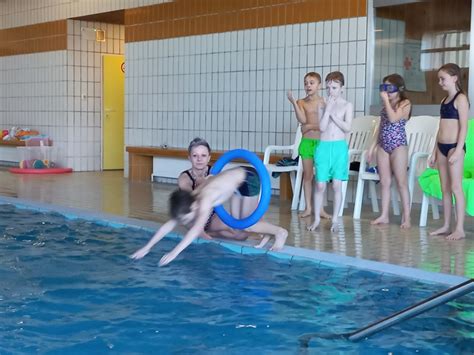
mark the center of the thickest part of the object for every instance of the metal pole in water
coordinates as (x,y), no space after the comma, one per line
(412,311)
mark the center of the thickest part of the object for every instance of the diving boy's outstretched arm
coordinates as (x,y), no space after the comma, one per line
(164,230)
(191,235)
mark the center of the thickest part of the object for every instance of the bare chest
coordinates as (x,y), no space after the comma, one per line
(311,113)
(339,112)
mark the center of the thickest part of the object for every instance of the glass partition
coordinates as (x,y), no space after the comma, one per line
(414,38)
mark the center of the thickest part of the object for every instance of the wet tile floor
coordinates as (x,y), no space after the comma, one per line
(110,192)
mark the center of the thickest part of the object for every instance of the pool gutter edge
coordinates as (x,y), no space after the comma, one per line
(288,252)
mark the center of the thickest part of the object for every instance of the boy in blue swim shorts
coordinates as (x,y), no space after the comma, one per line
(332,158)
(332,154)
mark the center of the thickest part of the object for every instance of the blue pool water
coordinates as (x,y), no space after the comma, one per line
(68,286)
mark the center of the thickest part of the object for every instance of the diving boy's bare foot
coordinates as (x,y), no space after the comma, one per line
(243,235)
(335,227)
(280,239)
(305,213)
(440,231)
(324,215)
(204,235)
(456,235)
(313,226)
(380,220)
(265,239)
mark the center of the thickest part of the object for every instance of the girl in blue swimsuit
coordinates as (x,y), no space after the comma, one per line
(450,148)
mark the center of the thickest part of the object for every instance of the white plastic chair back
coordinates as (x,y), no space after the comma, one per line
(359,139)
(297,142)
(296,171)
(421,135)
(362,130)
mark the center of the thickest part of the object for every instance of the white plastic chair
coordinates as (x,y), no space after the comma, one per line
(358,140)
(427,200)
(296,171)
(421,137)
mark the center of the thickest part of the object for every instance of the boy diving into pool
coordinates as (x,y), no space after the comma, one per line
(194,208)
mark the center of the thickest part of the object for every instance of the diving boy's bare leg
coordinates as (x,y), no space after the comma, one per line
(265,239)
(280,239)
(219,229)
(229,233)
(279,233)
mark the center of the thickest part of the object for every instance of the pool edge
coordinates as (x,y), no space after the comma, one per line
(288,252)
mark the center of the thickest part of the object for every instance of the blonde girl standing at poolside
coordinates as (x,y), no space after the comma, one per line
(450,148)
(391,147)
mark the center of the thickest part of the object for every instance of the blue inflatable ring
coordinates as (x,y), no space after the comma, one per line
(265,193)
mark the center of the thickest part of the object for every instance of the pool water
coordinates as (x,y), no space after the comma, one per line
(68,286)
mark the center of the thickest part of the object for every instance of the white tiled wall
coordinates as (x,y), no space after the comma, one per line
(33,93)
(230,88)
(84,90)
(15,13)
(59,93)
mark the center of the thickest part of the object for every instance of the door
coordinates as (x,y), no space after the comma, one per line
(113,95)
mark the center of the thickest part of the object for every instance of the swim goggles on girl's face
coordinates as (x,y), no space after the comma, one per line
(390,88)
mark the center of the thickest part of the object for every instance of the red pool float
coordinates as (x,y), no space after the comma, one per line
(40,171)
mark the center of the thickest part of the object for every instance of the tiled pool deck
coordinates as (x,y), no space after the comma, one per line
(108,195)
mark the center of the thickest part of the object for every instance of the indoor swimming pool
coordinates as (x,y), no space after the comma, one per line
(67,285)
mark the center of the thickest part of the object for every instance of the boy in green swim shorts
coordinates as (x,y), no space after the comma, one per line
(307,148)
(332,154)
(307,112)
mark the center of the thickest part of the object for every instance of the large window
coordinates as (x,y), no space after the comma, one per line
(438,48)
(414,38)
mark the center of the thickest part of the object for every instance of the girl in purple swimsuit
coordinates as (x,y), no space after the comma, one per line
(391,148)
(450,148)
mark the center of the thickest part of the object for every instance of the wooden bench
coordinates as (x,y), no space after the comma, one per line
(8,152)
(140,164)
(14,143)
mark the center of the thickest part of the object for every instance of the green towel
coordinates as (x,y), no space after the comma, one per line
(430,185)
